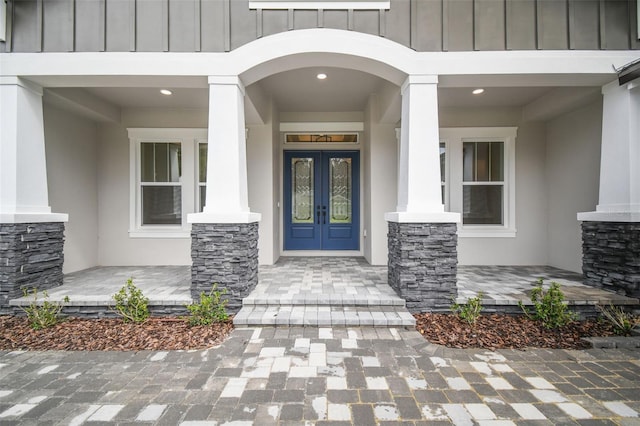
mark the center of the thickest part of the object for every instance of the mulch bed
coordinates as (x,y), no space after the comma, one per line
(111,335)
(490,332)
(506,332)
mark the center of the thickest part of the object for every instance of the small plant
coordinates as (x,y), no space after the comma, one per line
(45,315)
(549,306)
(131,304)
(469,311)
(210,309)
(623,322)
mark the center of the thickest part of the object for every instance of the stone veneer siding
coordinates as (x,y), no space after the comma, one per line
(423,264)
(611,256)
(31,256)
(226,255)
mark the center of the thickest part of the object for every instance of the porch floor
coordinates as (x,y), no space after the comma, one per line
(324,291)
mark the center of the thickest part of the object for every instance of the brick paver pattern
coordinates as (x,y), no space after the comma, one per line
(296,375)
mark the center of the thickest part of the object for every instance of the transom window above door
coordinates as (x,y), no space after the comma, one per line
(321,138)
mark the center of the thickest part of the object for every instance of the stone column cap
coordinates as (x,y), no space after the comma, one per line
(231,217)
(422,217)
(605,216)
(33,217)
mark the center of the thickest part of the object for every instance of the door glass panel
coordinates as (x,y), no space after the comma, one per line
(340,188)
(302,190)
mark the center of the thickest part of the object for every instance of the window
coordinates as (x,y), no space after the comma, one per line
(168,177)
(477,167)
(202,174)
(321,138)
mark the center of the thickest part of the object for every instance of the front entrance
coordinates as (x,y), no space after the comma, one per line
(321,200)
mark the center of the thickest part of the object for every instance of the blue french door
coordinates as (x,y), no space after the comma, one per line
(321,200)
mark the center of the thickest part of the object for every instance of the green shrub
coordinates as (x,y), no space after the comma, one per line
(45,315)
(131,304)
(469,311)
(210,309)
(549,306)
(623,322)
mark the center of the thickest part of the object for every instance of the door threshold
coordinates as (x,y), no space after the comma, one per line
(322,253)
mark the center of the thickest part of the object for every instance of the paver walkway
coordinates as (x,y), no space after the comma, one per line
(297,376)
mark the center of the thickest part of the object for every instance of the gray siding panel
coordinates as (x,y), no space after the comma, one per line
(489,27)
(120,33)
(151,23)
(367,21)
(397,21)
(184,25)
(27,36)
(223,25)
(212,26)
(459,25)
(552,25)
(303,19)
(90,21)
(58,28)
(336,19)
(616,24)
(584,21)
(521,24)
(428,22)
(274,21)
(243,23)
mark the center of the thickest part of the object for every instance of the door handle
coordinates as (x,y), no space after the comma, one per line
(324,215)
(318,215)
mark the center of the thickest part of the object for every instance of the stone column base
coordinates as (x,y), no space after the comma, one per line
(227,255)
(611,256)
(31,256)
(423,264)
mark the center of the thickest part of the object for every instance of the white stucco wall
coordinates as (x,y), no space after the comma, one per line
(260,181)
(528,247)
(380,159)
(71,144)
(572,179)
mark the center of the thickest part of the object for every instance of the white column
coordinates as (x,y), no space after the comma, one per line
(619,199)
(419,191)
(227,192)
(23,167)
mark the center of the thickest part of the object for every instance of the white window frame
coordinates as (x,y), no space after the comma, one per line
(198,184)
(454,139)
(188,139)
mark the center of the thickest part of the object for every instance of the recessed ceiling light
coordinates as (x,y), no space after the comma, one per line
(321,76)
(166,92)
(478,91)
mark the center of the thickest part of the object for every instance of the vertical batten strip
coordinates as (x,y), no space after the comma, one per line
(259,25)
(39,25)
(504,11)
(413,19)
(8,42)
(538,23)
(226,24)
(474,17)
(197,23)
(102,27)
(445,26)
(165,25)
(133,7)
(571,24)
(382,27)
(603,32)
(290,19)
(73,25)
(320,18)
(350,20)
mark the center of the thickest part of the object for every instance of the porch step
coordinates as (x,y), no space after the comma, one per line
(329,299)
(323,316)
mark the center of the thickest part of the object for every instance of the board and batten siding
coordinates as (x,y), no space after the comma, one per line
(223,25)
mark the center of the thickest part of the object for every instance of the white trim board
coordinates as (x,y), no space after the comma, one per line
(321,4)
